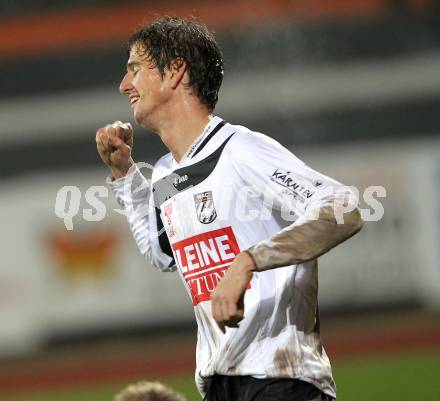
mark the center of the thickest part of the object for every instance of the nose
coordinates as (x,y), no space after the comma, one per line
(125,86)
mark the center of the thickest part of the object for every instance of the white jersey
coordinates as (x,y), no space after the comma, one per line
(234,189)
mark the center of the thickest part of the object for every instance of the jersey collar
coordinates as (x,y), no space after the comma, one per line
(214,125)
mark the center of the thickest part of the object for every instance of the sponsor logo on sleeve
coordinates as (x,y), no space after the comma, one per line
(205,208)
(292,185)
(204,259)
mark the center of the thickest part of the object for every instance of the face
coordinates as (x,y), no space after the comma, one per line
(147,91)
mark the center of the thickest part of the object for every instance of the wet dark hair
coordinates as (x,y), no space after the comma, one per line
(170,38)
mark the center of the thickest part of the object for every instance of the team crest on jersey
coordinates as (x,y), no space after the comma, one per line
(205,208)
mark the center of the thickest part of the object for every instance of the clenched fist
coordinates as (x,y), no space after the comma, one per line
(228,298)
(114,143)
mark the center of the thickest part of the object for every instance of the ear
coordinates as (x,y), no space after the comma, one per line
(177,71)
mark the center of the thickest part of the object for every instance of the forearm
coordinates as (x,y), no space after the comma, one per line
(300,243)
(126,187)
(133,193)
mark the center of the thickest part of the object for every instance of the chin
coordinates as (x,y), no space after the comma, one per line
(138,117)
(142,120)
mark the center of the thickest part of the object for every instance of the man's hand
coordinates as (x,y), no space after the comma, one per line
(114,143)
(228,298)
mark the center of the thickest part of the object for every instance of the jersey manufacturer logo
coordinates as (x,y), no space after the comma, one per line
(205,208)
(180,179)
(203,260)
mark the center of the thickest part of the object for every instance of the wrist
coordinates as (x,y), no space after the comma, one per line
(247,263)
(121,172)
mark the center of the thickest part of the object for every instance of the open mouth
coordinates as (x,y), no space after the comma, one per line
(133,100)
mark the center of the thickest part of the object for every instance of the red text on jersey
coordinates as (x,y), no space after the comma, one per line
(204,259)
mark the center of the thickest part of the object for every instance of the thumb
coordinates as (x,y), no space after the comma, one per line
(128,126)
(127,132)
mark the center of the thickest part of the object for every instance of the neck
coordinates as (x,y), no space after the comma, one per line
(179,132)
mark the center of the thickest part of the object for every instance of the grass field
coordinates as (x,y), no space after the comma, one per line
(378,357)
(408,376)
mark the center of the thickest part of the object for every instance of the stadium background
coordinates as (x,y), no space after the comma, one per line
(351,86)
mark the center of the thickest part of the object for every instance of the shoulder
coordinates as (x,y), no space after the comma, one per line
(251,146)
(243,136)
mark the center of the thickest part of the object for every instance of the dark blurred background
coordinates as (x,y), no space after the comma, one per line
(350,86)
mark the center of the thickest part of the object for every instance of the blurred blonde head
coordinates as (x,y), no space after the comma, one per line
(148,391)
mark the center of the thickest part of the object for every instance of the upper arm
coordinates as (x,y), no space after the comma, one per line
(282,180)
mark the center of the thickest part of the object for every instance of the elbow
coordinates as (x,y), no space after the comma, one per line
(347,222)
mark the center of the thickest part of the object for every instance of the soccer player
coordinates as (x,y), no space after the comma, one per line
(238,215)
(148,391)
